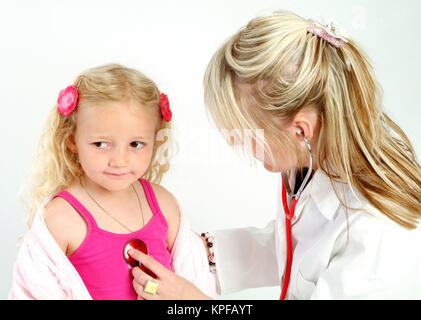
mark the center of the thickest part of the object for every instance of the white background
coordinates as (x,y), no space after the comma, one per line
(45,44)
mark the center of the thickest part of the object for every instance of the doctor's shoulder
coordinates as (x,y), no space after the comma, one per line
(170,209)
(360,221)
(374,231)
(373,257)
(65,224)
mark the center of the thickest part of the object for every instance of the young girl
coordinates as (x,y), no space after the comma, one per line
(349,202)
(95,190)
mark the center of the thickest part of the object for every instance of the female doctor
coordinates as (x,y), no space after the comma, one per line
(350,187)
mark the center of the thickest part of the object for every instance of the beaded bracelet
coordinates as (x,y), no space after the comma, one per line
(210,242)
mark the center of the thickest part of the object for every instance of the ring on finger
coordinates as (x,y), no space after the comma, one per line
(151,287)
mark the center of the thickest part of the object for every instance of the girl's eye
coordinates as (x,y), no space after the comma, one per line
(136,144)
(100,144)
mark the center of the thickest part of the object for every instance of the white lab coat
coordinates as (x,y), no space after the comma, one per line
(336,254)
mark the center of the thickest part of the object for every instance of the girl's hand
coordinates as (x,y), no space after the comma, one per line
(171,286)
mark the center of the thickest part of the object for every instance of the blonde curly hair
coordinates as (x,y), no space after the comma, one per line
(55,166)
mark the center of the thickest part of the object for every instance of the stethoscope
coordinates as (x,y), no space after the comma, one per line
(289,213)
(138,245)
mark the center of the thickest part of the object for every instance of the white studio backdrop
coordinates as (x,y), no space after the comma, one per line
(45,44)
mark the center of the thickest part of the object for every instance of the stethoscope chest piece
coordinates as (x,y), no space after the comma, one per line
(134,244)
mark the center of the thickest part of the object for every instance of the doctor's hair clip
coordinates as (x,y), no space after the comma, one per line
(327,32)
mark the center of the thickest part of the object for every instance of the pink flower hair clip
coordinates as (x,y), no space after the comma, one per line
(327,33)
(165,107)
(67,100)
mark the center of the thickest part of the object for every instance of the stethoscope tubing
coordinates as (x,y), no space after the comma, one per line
(289,215)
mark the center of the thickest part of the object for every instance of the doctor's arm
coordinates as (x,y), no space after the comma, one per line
(245,258)
(171,285)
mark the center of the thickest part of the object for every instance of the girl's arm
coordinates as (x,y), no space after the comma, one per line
(42,270)
(65,225)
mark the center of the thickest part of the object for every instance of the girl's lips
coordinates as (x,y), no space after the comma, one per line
(116,174)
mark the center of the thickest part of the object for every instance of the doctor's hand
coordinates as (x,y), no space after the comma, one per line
(170,285)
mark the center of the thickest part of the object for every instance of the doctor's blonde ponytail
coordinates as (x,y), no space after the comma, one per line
(284,68)
(367,149)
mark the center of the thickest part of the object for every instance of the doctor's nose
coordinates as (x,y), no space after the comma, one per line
(119,157)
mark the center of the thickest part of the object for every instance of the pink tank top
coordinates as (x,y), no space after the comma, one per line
(99,260)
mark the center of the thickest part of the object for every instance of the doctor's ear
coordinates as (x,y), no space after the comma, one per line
(305,122)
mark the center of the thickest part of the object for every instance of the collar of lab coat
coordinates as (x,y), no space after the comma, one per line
(323,194)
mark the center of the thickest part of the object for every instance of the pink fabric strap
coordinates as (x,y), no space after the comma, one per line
(78,207)
(153,202)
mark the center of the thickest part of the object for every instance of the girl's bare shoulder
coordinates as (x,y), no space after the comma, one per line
(65,224)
